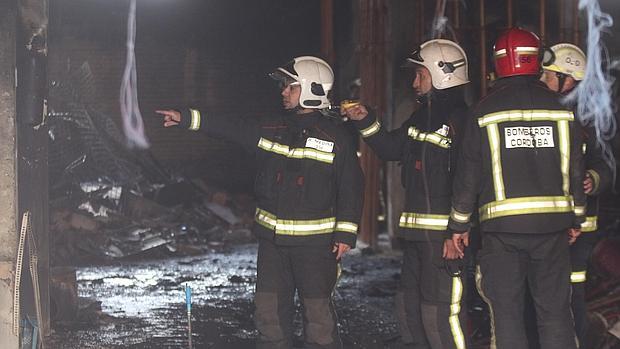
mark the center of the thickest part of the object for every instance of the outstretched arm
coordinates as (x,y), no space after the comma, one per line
(243,131)
(387,144)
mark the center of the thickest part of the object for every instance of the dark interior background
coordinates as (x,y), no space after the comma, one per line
(215,55)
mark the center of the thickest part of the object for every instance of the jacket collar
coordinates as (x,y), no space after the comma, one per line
(303,120)
(447,97)
(516,80)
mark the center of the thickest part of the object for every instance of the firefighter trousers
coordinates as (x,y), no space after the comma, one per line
(580,253)
(311,271)
(507,264)
(428,302)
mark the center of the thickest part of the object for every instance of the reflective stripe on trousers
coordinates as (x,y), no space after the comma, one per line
(455,309)
(578,276)
(493,344)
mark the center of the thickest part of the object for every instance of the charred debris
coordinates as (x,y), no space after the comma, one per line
(108,202)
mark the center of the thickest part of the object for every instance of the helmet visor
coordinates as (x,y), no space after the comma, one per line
(548,57)
(413,59)
(284,80)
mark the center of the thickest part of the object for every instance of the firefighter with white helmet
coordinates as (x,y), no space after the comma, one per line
(428,302)
(314,76)
(442,58)
(564,66)
(521,168)
(309,193)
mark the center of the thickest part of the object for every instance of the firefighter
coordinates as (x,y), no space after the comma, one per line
(309,191)
(521,165)
(428,302)
(563,68)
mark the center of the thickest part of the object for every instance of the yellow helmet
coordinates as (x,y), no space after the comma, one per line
(566,59)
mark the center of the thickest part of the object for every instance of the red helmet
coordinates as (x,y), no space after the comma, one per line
(516,53)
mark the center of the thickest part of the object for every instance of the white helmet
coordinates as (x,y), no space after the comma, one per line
(445,60)
(315,77)
(566,59)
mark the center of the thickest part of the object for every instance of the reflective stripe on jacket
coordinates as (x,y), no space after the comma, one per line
(426,145)
(521,158)
(309,185)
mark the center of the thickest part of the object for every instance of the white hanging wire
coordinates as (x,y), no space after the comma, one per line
(595,107)
(133,125)
(440,21)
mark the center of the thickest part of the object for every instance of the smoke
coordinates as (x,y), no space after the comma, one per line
(593,96)
(130,110)
(440,20)
(441,25)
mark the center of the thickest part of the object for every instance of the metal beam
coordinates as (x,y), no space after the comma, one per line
(562,20)
(483,50)
(456,16)
(373,22)
(422,20)
(327,31)
(576,22)
(542,19)
(509,7)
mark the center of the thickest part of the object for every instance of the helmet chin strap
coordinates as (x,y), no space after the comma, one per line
(294,110)
(561,81)
(425,97)
(301,110)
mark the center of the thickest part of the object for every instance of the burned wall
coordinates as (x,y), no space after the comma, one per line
(213,55)
(8,180)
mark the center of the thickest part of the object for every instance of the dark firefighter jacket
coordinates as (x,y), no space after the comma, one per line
(601,176)
(521,160)
(309,185)
(425,146)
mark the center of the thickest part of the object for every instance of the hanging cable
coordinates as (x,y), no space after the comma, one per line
(130,110)
(441,26)
(593,95)
(440,21)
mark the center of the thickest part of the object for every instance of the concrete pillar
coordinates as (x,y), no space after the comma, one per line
(8,180)
(32,147)
(19,139)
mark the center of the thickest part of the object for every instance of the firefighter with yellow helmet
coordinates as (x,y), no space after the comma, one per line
(564,66)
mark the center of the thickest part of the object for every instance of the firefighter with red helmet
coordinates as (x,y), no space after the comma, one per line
(428,302)
(521,167)
(564,66)
(309,193)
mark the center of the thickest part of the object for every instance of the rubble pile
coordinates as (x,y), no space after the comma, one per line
(109,202)
(101,221)
(603,291)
